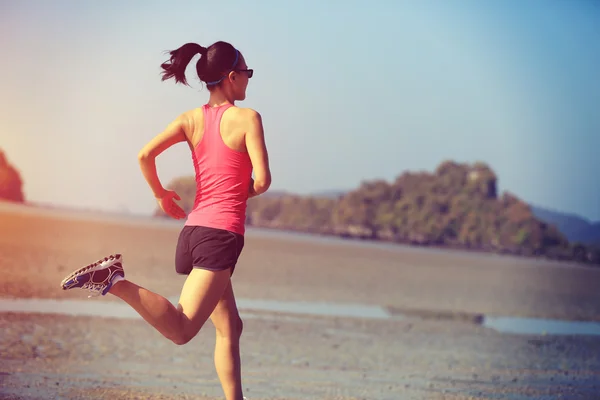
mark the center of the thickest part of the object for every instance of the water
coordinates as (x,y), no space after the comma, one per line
(539,326)
(92,308)
(113,309)
(316,308)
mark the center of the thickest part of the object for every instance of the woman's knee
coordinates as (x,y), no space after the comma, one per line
(184,332)
(182,337)
(180,340)
(232,330)
(240,327)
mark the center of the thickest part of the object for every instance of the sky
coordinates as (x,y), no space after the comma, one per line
(349,91)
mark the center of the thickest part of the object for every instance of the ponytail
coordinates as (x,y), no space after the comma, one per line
(180,58)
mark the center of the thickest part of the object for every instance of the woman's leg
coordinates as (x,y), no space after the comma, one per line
(228,326)
(200,295)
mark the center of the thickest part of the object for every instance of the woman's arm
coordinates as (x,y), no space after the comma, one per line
(257,150)
(173,134)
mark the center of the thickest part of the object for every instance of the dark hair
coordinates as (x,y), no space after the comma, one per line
(215,62)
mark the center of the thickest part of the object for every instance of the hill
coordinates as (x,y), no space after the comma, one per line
(577,229)
(11,185)
(455,206)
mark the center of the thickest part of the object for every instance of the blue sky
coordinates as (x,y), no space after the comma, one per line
(349,91)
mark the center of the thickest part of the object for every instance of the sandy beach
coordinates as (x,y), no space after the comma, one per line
(429,346)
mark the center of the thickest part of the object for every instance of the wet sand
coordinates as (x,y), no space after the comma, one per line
(288,356)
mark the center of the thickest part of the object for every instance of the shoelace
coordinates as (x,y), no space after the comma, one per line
(91,266)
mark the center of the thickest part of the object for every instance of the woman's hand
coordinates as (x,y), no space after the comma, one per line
(169,206)
(251,191)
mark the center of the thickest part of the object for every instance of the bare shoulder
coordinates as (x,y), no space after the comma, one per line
(192,118)
(192,115)
(185,119)
(186,123)
(246,115)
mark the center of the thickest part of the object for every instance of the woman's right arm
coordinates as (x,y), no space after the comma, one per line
(257,150)
(173,134)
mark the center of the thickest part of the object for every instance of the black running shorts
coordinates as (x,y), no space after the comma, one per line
(207,248)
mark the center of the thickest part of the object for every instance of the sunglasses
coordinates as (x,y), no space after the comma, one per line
(248,72)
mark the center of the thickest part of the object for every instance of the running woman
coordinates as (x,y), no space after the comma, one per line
(227,144)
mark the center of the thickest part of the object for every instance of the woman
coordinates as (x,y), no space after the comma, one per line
(227,144)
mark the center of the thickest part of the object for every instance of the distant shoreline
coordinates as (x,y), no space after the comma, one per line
(162,222)
(391,245)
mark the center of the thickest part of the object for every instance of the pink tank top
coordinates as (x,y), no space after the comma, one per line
(222,178)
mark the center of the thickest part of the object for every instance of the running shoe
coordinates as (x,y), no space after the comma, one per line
(97,277)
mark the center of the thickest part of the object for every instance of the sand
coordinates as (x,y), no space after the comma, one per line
(428,355)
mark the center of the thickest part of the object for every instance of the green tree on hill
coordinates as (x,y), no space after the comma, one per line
(11,185)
